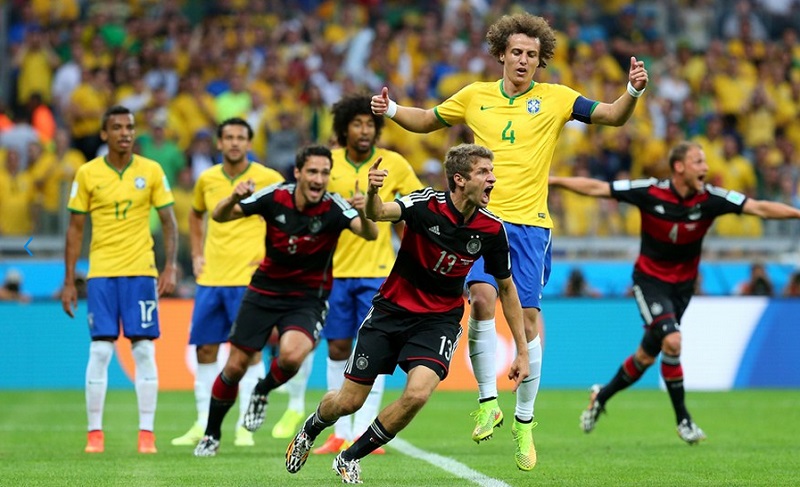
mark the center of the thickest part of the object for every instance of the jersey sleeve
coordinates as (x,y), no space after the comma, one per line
(453,110)
(413,202)
(258,203)
(346,212)
(198,199)
(161,196)
(723,201)
(79,192)
(497,257)
(632,191)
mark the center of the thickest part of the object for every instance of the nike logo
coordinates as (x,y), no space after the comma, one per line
(486,107)
(147,325)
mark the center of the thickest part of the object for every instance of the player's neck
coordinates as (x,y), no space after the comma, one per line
(234,169)
(464,206)
(357,158)
(512,90)
(683,189)
(119,160)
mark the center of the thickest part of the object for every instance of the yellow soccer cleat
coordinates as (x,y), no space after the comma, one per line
(287,426)
(487,417)
(525,456)
(243,437)
(191,437)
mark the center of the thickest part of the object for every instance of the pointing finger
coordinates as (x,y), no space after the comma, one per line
(378,161)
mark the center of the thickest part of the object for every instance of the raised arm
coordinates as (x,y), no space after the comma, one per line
(512,310)
(584,186)
(410,118)
(770,209)
(376,209)
(617,113)
(69,294)
(362,226)
(228,209)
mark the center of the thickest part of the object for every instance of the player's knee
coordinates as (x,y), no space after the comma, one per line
(644,359)
(339,349)
(207,354)
(291,360)
(672,344)
(101,351)
(349,403)
(482,298)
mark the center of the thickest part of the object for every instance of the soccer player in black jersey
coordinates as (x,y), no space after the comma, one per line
(289,289)
(415,317)
(676,214)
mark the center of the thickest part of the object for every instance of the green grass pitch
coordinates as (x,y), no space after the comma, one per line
(753,439)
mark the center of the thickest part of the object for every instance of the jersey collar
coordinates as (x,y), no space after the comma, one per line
(120,173)
(512,98)
(233,179)
(355,165)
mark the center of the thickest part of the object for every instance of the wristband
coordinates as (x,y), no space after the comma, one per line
(634,92)
(391,110)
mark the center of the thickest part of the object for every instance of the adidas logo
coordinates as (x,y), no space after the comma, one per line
(280,218)
(434,230)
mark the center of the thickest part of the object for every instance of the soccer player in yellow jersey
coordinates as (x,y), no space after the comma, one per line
(359,266)
(224,257)
(118,191)
(520,121)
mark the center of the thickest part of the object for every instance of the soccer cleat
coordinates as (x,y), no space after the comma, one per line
(333,444)
(348,470)
(95,442)
(525,455)
(243,437)
(297,452)
(592,412)
(487,417)
(690,432)
(256,412)
(147,442)
(191,437)
(288,424)
(207,447)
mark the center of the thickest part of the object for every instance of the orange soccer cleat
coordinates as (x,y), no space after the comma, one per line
(95,442)
(147,442)
(333,444)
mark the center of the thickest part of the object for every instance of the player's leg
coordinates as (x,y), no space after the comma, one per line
(298,330)
(340,328)
(139,309)
(482,336)
(103,313)
(209,328)
(295,412)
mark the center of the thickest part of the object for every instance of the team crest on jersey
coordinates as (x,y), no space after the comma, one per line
(362,362)
(534,105)
(695,213)
(139,182)
(315,225)
(656,309)
(474,245)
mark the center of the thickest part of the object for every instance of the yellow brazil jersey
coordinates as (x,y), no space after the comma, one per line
(119,203)
(522,132)
(354,256)
(232,250)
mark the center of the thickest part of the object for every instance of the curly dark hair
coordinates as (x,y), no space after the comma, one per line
(346,109)
(522,23)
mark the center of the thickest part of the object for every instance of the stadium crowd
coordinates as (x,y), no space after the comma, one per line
(728,78)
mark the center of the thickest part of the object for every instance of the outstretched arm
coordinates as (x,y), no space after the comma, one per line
(512,310)
(584,186)
(617,113)
(410,118)
(770,209)
(228,209)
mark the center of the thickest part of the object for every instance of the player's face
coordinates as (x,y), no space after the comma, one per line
(234,143)
(361,134)
(695,169)
(480,184)
(312,180)
(521,59)
(119,133)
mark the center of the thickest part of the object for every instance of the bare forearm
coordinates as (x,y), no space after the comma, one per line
(617,113)
(196,233)
(771,209)
(170,229)
(72,252)
(224,210)
(417,120)
(581,185)
(373,207)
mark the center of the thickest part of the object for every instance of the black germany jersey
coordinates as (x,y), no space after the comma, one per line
(673,227)
(437,251)
(299,244)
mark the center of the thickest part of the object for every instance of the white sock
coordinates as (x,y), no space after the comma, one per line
(296,387)
(526,393)
(100,353)
(482,353)
(246,385)
(203,382)
(335,372)
(144,356)
(369,411)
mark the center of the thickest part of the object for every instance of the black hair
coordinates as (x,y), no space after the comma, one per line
(311,150)
(235,121)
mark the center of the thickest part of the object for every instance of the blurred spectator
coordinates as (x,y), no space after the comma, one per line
(578,287)
(283,144)
(194,108)
(12,287)
(793,286)
(162,150)
(36,62)
(182,192)
(235,101)
(758,284)
(46,178)
(42,119)
(17,197)
(200,155)
(66,78)
(18,137)
(86,107)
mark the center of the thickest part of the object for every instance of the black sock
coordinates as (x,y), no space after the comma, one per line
(276,376)
(672,372)
(375,437)
(481,401)
(630,371)
(314,425)
(223,396)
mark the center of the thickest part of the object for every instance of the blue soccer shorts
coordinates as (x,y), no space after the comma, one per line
(131,301)
(215,309)
(349,303)
(531,258)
